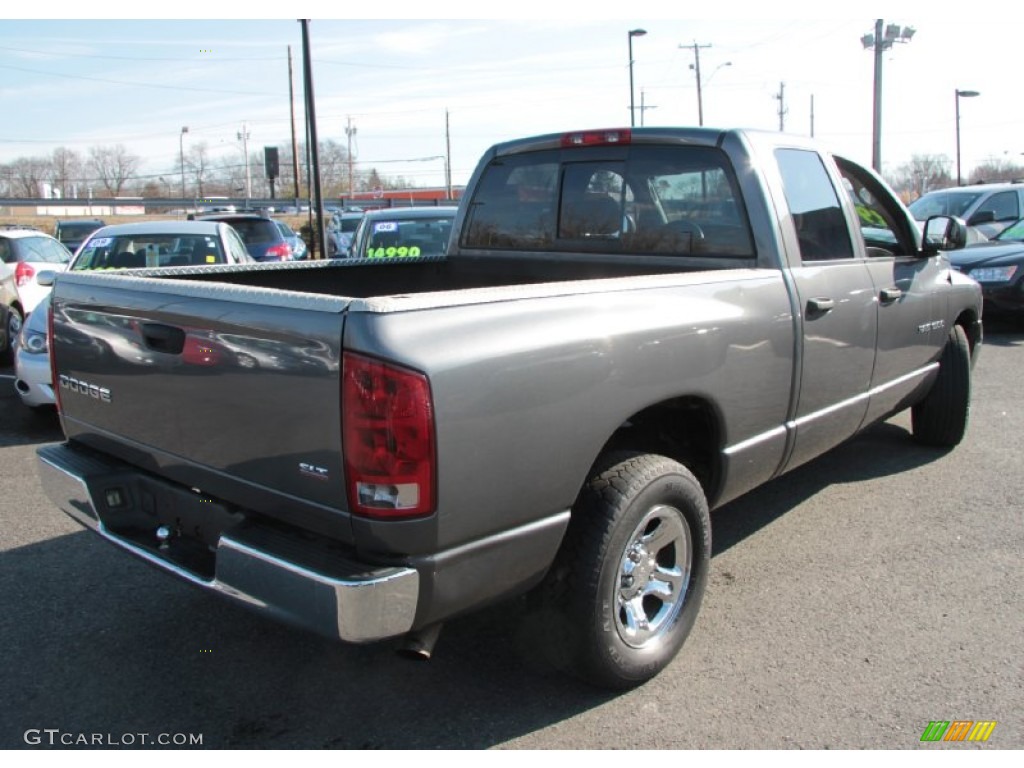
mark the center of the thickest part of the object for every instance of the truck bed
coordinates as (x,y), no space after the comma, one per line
(377,278)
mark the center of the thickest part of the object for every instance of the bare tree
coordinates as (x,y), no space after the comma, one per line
(200,167)
(112,166)
(28,175)
(997,169)
(921,174)
(334,169)
(66,169)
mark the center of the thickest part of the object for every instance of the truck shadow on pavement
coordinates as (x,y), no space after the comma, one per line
(98,643)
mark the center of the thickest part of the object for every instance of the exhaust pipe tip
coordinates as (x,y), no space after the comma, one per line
(419,644)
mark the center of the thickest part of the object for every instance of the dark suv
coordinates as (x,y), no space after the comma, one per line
(261,235)
(73,232)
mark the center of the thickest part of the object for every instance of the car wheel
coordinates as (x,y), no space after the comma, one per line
(940,419)
(14,321)
(627,584)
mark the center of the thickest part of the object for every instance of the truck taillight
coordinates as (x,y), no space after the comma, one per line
(597,138)
(388,439)
(23,274)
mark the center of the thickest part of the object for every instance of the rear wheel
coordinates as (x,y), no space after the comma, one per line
(628,582)
(941,418)
(14,321)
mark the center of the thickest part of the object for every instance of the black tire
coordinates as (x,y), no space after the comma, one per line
(940,419)
(637,550)
(13,322)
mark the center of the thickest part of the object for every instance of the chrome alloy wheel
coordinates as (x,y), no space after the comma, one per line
(654,573)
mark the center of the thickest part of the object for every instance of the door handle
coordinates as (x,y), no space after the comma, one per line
(163,338)
(889,295)
(820,305)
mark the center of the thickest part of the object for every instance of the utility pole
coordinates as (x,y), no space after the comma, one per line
(812,115)
(350,131)
(781,97)
(307,69)
(696,69)
(295,141)
(447,156)
(643,106)
(243,137)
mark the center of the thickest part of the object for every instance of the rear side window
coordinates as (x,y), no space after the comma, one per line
(820,225)
(644,200)
(42,249)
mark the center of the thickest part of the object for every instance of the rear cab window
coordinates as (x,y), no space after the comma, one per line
(645,200)
(256,231)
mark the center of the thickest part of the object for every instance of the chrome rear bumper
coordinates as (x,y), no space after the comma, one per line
(265,570)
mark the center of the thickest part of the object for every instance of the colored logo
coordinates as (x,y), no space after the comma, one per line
(958,730)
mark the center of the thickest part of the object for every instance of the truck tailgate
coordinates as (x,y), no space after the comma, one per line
(231,390)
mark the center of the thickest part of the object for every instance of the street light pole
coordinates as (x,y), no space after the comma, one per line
(243,136)
(881,41)
(966,95)
(632,108)
(181,150)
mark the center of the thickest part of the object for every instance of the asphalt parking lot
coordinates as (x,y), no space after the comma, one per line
(851,603)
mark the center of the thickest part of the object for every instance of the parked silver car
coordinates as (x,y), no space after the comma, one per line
(989,208)
(403,233)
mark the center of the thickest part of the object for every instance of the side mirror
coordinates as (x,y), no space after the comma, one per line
(943,233)
(982,217)
(46,277)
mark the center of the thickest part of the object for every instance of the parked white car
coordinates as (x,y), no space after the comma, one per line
(24,253)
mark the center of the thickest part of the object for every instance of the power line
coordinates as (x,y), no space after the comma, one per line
(67,55)
(139,85)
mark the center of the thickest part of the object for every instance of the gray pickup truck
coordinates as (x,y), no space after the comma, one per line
(629,328)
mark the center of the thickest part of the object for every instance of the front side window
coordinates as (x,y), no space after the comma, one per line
(878,214)
(1004,206)
(239,253)
(820,225)
(679,200)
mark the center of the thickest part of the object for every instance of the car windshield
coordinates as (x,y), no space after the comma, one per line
(256,230)
(395,237)
(149,250)
(350,223)
(942,204)
(1014,232)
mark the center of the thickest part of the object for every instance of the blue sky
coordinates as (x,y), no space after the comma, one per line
(103,81)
